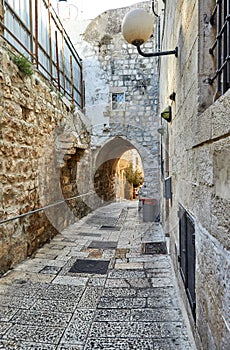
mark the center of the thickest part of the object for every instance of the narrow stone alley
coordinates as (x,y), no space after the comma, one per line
(105,282)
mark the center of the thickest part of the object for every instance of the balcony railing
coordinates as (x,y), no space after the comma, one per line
(33,28)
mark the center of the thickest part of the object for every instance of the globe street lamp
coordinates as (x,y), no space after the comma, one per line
(137,27)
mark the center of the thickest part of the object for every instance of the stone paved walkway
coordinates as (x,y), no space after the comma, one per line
(94,287)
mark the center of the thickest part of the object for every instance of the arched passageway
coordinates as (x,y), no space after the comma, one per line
(129,175)
(111,162)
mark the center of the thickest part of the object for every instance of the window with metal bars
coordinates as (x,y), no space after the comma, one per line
(220,50)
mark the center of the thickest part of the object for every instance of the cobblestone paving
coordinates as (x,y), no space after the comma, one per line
(93,287)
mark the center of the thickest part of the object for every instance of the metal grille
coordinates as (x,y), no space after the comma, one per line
(220,20)
(103,245)
(90,266)
(110,228)
(187,256)
(155,248)
(33,28)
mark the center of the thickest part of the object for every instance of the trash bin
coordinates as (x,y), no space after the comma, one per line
(150,209)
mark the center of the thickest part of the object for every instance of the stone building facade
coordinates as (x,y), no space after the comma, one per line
(194,146)
(113,70)
(49,174)
(196,157)
(46,155)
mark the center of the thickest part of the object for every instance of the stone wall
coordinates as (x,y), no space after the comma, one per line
(104,181)
(111,65)
(41,145)
(212,291)
(196,148)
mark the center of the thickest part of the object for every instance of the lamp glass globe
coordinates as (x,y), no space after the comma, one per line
(137,26)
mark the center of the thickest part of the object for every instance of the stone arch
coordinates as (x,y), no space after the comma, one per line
(114,147)
(111,150)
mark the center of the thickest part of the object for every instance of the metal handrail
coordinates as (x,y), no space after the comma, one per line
(51,205)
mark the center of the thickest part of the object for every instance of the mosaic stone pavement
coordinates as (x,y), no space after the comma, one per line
(92,287)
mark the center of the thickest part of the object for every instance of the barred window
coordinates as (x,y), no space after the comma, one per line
(187,257)
(118,100)
(220,50)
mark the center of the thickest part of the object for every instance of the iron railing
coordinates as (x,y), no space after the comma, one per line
(33,28)
(48,206)
(221,47)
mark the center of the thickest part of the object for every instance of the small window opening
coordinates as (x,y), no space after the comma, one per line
(118,101)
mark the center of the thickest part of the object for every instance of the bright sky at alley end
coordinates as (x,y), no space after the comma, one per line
(89,9)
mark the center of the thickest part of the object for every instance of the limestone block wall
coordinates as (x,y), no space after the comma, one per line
(112,66)
(210,203)
(41,145)
(104,181)
(196,148)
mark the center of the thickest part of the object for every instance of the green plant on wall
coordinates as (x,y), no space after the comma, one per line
(23,64)
(133,177)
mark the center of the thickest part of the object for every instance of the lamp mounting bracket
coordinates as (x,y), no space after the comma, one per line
(152,54)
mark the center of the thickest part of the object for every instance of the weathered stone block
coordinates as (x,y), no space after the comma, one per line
(213,268)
